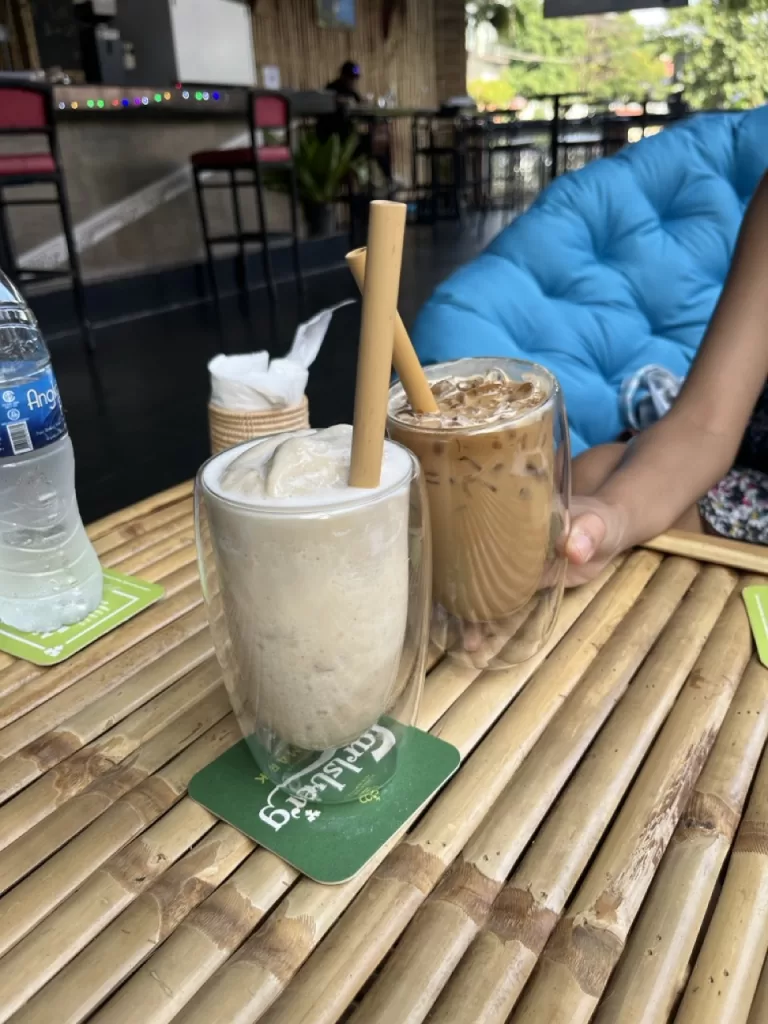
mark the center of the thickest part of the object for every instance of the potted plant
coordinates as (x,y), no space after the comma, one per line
(321,169)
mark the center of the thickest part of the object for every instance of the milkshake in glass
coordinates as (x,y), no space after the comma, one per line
(496,464)
(317,594)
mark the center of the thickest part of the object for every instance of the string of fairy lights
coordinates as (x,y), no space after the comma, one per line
(142,99)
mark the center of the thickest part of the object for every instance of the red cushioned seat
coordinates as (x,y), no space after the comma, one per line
(27,163)
(226,158)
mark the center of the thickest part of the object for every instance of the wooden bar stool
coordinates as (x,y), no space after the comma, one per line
(26,108)
(269,113)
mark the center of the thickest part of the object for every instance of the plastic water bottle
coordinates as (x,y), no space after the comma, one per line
(49,573)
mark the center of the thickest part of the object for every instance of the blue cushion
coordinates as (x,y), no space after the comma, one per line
(614,267)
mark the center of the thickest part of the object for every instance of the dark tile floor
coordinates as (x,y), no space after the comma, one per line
(137,415)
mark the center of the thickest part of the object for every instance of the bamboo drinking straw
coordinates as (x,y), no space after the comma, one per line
(404,356)
(374,363)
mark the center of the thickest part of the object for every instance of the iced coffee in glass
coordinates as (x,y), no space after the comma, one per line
(496,464)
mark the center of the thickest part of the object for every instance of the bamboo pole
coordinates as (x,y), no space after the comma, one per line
(57,828)
(107,754)
(441,932)
(60,937)
(105,664)
(142,508)
(398,880)
(651,975)
(404,356)
(731,553)
(130,562)
(174,571)
(586,944)
(759,1011)
(143,526)
(493,972)
(90,728)
(41,892)
(188,959)
(125,943)
(386,230)
(173,974)
(724,980)
(183,523)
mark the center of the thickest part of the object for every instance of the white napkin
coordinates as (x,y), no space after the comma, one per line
(253,382)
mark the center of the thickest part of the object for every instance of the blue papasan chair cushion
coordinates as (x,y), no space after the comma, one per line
(615,267)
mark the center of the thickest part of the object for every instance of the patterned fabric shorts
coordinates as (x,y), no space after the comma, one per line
(737,507)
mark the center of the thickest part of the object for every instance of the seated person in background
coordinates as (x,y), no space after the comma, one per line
(717,430)
(344,85)
(347,95)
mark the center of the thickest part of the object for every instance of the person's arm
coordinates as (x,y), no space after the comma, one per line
(675,462)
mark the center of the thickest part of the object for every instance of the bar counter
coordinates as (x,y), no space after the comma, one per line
(125,154)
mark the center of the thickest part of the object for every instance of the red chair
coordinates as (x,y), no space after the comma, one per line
(26,108)
(269,113)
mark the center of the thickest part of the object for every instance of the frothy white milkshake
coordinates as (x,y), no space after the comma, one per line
(313,578)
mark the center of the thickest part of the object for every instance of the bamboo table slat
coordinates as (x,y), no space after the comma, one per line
(600,855)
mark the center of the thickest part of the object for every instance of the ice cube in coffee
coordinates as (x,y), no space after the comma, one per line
(496,467)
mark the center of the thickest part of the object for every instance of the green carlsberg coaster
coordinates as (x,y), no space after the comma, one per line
(330,842)
(756,600)
(123,597)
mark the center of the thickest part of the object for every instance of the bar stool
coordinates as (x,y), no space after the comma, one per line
(268,112)
(26,108)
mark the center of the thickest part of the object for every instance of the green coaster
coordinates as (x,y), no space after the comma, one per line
(756,600)
(124,597)
(329,842)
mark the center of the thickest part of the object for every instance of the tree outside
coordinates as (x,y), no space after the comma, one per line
(725,54)
(721,52)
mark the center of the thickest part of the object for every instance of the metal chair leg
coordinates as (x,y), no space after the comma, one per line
(242,264)
(207,243)
(265,255)
(295,229)
(7,257)
(78,291)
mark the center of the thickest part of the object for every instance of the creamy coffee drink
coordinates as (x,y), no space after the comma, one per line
(313,577)
(488,457)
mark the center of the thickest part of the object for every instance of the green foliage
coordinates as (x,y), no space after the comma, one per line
(607,57)
(321,168)
(725,53)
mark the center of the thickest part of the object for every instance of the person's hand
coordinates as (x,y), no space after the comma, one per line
(598,533)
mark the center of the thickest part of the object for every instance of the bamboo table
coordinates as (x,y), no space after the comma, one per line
(601,854)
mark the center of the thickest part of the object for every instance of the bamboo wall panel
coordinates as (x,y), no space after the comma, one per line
(286,33)
(627,758)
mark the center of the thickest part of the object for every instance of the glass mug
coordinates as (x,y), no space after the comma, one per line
(320,619)
(498,496)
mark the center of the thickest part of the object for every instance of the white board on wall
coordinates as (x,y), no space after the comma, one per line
(213,40)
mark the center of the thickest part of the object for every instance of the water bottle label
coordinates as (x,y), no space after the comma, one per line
(31,416)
